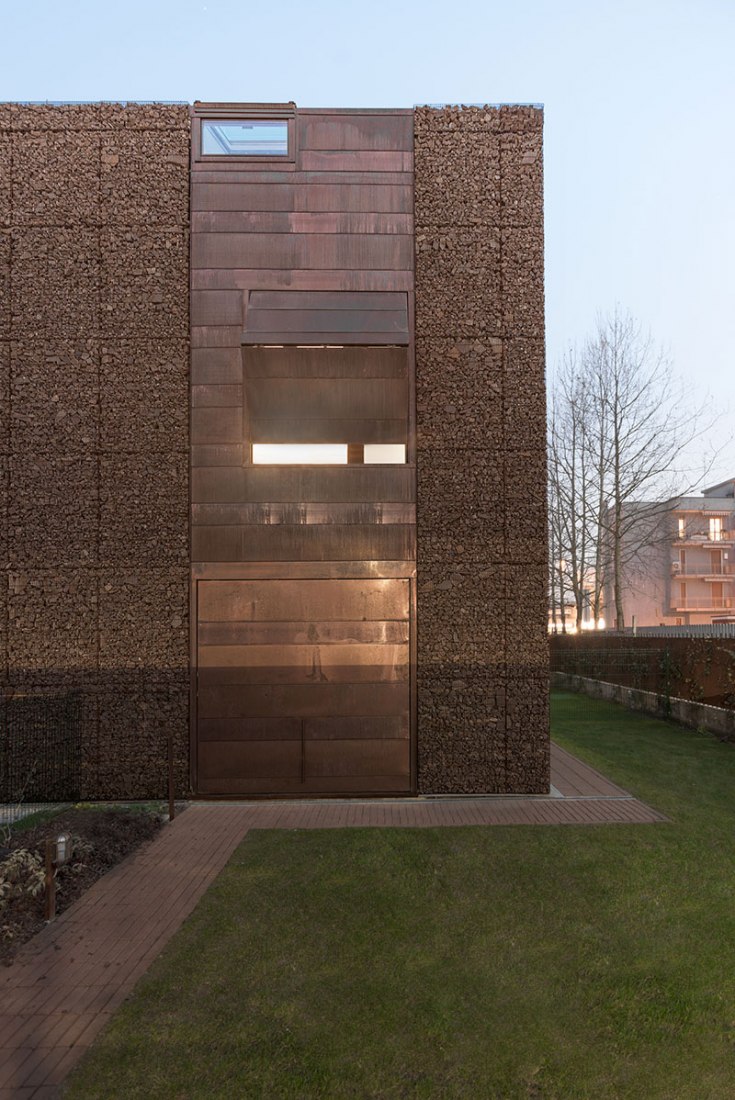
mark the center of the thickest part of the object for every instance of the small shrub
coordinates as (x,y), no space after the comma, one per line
(21,874)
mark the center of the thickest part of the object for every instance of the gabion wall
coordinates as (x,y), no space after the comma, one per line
(482,647)
(94,275)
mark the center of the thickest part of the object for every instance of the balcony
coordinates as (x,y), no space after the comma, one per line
(700,603)
(727,539)
(700,571)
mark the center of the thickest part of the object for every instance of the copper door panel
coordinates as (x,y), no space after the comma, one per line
(306,633)
(350,785)
(302,700)
(257,759)
(358,757)
(250,729)
(311,665)
(395,727)
(300,600)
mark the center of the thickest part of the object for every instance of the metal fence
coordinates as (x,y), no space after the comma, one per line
(700,668)
(703,630)
(40,751)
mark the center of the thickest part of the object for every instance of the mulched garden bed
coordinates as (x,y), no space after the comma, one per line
(100,839)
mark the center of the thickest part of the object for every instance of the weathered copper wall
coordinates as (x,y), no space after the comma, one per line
(94,426)
(332,223)
(482,649)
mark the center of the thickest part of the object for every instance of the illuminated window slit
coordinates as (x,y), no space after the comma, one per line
(330,454)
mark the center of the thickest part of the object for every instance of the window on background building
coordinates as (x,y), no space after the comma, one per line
(715,528)
(245,137)
(682,595)
(682,527)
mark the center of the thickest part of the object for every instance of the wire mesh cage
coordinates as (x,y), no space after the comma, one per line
(40,748)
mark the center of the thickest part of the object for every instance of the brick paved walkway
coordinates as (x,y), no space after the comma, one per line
(68,981)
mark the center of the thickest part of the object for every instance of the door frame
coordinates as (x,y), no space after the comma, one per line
(311,570)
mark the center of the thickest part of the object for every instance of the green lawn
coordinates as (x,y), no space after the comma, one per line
(501,963)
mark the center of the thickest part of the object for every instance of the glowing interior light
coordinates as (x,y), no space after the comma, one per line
(385,452)
(299,454)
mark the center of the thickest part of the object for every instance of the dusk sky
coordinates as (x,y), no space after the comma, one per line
(639,155)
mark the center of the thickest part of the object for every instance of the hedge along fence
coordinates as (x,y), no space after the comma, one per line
(699,669)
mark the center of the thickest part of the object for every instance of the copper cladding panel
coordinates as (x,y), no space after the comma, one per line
(302,600)
(313,729)
(361,757)
(307,196)
(330,542)
(296,430)
(250,729)
(306,633)
(303,700)
(328,399)
(309,362)
(300,514)
(303,484)
(329,317)
(273,759)
(302,664)
(285,787)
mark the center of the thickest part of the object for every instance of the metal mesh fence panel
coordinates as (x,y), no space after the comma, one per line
(40,748)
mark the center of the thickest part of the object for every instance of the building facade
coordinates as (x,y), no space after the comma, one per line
(684,574)
(272,443)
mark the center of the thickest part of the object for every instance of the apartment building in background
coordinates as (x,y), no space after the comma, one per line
(686,575)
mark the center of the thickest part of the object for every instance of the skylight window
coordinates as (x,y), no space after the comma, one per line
(245,137)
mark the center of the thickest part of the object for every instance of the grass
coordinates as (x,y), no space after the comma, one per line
(502,963)
(38,817)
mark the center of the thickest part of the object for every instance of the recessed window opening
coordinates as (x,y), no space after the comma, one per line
(245,137)
(328,454)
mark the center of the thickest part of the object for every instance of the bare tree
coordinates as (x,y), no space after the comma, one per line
(557,530)
(620,423)
(570,467)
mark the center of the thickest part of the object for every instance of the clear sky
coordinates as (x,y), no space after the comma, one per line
(639,135)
